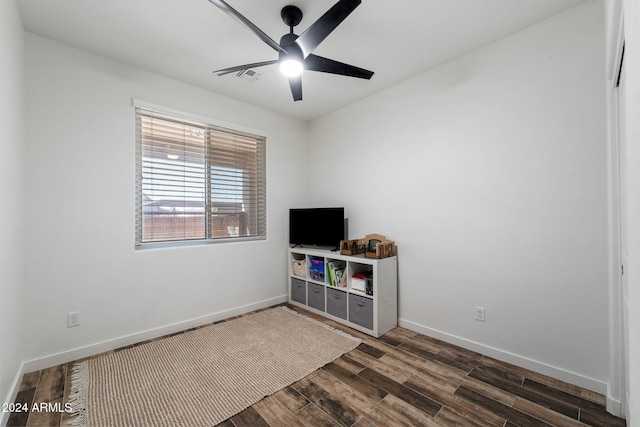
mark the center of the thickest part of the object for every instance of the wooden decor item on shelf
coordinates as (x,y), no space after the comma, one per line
(378,246)
(352,247)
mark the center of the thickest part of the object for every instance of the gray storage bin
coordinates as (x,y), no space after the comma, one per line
(299,290)
(361,311)
(315,296)
(337,303)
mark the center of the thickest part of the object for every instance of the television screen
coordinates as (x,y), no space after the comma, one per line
(316,226)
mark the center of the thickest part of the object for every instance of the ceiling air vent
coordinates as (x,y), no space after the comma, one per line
(248,75)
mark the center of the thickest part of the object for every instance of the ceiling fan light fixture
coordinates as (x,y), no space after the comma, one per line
(291,67)
(295,52)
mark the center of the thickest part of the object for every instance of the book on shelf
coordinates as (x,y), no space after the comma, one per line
(362,282)
(335,270)
(316,269)
(357,282)
(341,278)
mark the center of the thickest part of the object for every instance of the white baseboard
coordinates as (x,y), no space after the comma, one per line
(629,409)
(515,359)
(13,392)
(112,344)
(614,407)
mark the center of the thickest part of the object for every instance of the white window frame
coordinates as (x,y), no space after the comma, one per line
(250,212)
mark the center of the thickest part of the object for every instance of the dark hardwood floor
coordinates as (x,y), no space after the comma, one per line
(400,379)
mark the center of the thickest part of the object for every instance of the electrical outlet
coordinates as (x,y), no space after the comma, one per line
(480,314)
(73,319)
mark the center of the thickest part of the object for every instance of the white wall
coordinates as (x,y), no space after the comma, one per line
(489,172)
(11,197)
(81,183)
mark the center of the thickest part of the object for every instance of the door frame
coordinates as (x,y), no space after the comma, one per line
(618,367)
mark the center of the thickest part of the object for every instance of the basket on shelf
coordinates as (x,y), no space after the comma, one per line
(300,267)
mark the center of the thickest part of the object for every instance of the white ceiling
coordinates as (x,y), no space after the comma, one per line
(187,39)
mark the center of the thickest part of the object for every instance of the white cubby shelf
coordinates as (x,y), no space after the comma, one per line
(374,312)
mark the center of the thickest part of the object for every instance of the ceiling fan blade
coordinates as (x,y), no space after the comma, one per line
(244,21)
(296,87)
(325,65)
(243,67)
(328,22)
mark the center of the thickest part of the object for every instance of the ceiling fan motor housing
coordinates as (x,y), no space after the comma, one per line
(293,51)
(287,42)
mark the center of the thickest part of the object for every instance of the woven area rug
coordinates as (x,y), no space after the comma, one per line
(205,376)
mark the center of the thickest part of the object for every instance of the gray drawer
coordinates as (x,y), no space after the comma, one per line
(315,296)
(337,303)
(361,311)
(299,290)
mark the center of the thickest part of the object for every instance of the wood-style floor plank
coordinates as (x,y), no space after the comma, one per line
(511,414)
(375,412)
(335,408)
(385,368)
(364,422)
(560,395)
(600,418)
(311,415)
(400,379)
(543,379)
(30,380)
(357,383)
(23,402)
(489,390)
(371,351)
(409,412)
(545,414)
(51,384)
(401,391)
(45,417)
(447,417)
(463,365)
(275,413)
(291,399)
(458,405)
(249,418)
(530,394)
(349,364)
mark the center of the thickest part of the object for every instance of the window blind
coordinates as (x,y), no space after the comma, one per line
(197,182)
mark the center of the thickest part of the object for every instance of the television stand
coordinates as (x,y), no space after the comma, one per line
(364,296)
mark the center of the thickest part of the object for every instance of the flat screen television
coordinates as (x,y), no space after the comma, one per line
(317,226)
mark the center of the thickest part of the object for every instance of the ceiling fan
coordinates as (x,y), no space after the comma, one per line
(294,52)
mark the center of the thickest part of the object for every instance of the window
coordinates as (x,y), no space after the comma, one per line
(197,182)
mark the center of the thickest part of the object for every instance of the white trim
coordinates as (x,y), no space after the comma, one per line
(615,389)
(13,392)
(614,406)
(139,103)
(505,356)
(614,39)
(112,344)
